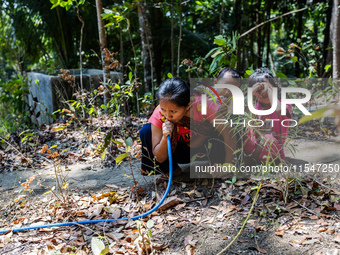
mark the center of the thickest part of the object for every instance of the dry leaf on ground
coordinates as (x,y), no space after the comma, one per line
(170,201)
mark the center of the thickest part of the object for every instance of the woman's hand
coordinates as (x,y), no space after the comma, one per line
(167,128)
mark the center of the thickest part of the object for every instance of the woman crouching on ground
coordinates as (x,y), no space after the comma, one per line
(179,115)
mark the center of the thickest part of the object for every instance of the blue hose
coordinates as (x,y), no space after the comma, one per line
(106,220)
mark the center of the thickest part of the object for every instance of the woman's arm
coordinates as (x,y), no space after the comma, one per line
(159,141)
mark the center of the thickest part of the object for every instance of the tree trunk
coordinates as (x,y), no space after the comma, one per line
(63,48)
(149,40)
(145,48)
(336,42)
(103,45)
(251,60)
(81,57)
(157,41)
(259,36)
(299,34)
(135,69)
(121,48)
(172,37)
(243,43)
(327,53)
(180,36)
(268,33)
(221,18)
(237,17)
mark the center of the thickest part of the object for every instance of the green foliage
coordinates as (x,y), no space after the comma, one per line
(305,54)
(53,37)
(116,15)
(13,107)
(233,180)
(53,41)
(224,55)
(65,4)
(50,30)
(147,101)
(120,95)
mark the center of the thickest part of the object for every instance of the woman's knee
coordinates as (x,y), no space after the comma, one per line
(145,132)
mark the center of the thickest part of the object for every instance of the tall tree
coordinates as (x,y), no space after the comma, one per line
(180,35)
(336,41)
(102,44)
(267,32)
(259,35)
(157,21)
(81,53)
(146,44)
(327,43)
(221,17)
(172,39)
(299,30)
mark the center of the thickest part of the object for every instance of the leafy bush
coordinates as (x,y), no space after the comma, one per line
(13,106)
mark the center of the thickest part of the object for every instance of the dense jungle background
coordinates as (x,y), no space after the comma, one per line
(80,159)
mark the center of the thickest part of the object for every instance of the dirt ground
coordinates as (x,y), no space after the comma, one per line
(204,217)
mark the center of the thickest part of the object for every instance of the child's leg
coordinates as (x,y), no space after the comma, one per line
(149,163)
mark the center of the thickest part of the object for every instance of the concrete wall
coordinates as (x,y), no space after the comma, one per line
(48,92)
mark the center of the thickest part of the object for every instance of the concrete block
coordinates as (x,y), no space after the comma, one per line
(49,92)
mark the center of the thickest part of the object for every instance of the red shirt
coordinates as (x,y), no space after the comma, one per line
(183,133)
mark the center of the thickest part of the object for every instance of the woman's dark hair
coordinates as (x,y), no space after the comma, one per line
(234,72)
(259,75)
(176,90)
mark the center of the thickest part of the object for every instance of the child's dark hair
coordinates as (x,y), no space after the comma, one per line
(259,75)
(234,72)
(176,90)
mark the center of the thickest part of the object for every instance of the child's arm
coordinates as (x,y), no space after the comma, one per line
(159,141)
